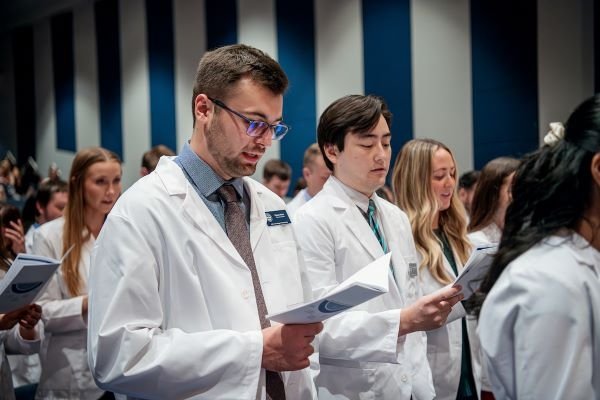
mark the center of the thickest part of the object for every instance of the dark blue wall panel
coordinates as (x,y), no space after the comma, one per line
(296,49)
(22,49)
(504,70)
(387,62)
(161,60)
(63,66)
(109,75)
(221,23)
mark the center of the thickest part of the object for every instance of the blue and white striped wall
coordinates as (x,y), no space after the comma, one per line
(485,77)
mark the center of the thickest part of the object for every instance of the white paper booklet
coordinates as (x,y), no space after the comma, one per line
(476,268)
(25,279)
(367,283)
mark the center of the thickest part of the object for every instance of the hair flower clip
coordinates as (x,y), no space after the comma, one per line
(556,133)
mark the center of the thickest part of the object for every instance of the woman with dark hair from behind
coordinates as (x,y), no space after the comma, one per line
(492,197)
(539,324)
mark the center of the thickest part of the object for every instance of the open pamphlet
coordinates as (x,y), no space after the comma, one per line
(476,268)
(25,279)
(369,282)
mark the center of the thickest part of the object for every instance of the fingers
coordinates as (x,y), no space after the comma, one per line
(18,226)
(455,299)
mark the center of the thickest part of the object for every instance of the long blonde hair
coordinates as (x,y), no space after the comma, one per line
(411,182)
(75,231)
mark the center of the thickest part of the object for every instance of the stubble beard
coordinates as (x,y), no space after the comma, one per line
(217,144)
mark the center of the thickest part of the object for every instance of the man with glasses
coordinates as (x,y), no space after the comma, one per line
(192,257)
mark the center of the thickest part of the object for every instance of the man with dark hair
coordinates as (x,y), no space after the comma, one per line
(377,349)
(193,257)
(276,176)
(315,174)
(466,188)
(151,157)
(50,201)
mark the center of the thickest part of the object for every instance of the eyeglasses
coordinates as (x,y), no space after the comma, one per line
(256,128)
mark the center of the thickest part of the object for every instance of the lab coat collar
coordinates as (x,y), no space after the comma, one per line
(352,217)
(176,184)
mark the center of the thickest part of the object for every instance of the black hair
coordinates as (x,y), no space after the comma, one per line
(551,189)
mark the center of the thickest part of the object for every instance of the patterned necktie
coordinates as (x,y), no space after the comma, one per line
(375,225)
(237,231)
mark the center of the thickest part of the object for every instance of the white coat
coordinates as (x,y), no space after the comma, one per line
(298,201)
(360,353)
(11,342)
(65,372)
(444,345)
(540,323)
(172,308)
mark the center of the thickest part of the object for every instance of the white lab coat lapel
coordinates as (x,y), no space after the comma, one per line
(354,220)
(360,229)
(197,213)
(258,219)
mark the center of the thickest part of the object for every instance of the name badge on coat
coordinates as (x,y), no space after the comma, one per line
(277,217)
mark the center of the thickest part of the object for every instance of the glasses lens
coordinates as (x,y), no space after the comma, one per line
(279,131)
(256,128)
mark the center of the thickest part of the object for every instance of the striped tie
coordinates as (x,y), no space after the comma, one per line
(375,225)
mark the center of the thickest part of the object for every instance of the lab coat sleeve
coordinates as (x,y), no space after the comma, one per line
(356,335)
(130,352)
(16,344)
(59,314)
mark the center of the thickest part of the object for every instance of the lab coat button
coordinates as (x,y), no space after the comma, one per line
(404,378)
(245,294)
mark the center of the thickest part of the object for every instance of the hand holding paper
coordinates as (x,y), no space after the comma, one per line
(367,283)
(25,279)
(475,269)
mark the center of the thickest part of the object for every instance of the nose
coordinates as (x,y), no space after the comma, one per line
(266,138)
(380,152)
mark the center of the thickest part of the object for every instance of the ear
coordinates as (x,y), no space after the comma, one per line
(39,208)
(595,169)
(331,152)
(305,172)
(203,108)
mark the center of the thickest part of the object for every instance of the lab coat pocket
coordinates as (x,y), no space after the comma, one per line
(282,285)
(340,381)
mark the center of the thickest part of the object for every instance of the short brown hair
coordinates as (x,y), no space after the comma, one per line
(352,113)
(221,68)
(277,168)
(151,157)
(311,154)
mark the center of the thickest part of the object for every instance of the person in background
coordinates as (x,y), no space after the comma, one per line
(466,188)
(315,174)
(206,252)
(300,184)
(50,202)
(539,325)
(94,186)
(277,175)
(424,182)
(12,237)
(377,349)
(491,199)
(151,157)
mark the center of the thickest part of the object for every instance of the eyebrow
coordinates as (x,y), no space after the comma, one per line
(260,115)
(368,135)
(444,169)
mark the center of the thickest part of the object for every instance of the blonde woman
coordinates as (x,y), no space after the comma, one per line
(94,186)
(424,181)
